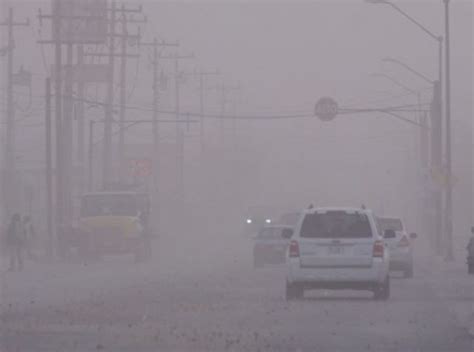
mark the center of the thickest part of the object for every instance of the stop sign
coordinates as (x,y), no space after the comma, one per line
(326,109)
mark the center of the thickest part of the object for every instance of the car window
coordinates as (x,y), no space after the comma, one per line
(269,233)
(390,224)
(336,224)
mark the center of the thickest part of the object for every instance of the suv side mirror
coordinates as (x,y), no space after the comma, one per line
(389,234)
(287,233)
(413,235)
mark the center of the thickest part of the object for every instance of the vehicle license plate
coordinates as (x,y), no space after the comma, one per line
(336,250)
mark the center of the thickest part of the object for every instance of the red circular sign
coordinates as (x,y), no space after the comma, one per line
(326,109)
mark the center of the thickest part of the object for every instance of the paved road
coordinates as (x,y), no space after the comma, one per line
(194,304)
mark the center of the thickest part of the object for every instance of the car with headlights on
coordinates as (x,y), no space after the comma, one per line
(256,218)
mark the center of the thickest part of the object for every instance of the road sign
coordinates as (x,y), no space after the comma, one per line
(141,167)
(326,109)
(440,178)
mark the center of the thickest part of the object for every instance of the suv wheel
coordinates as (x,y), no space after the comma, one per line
(408,273)
(257,263)
(470,268)
(294,291)
(142,253)
(382,291)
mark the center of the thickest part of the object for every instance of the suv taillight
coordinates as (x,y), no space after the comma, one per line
(379,249)
(294,249)
(404,242)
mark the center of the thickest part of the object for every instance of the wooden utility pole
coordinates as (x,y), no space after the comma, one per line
(155,44)
(202,90)
(80,120)
(109,109)
(9,167)
(113,34)
(225,90)
(70,27)
(179,131)
(49,171)
(125,37)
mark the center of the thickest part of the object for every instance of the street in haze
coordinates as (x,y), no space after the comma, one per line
(232,308)
(239,175)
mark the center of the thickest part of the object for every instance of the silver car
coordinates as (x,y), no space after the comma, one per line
(400,244)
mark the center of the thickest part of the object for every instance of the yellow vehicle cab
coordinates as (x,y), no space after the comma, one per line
(114,223)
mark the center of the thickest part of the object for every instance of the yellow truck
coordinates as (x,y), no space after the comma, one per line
(113,223)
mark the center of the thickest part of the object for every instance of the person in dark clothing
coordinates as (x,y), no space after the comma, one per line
(15,242)
(29,236)
(470,253)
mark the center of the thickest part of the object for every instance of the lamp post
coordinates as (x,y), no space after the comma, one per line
(420,75)
(409,68)
(449,190)
(439,39)
(422,147)
(448,225)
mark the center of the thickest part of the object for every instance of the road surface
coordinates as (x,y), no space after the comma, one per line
(193,303)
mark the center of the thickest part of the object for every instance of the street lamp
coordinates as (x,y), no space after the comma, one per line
(448,210)
(449,190)
(412,70)
(439,39)
(397,83)
(422,151)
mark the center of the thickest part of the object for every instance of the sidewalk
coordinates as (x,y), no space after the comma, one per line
(456,287)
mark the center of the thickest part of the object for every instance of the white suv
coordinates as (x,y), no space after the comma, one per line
(337,248)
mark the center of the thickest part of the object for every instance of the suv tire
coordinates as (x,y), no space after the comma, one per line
(257,263)
(408,273)
(294,292)
(382,291)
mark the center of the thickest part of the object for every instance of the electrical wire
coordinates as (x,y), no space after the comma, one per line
(43,56)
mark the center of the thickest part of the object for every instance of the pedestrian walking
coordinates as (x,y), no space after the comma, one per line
(29,235)
(470,253)
(15,242)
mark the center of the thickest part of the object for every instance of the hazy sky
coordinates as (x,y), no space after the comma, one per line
(287,54)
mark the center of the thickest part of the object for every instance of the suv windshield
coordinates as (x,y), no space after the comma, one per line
(110,204)
(336,224)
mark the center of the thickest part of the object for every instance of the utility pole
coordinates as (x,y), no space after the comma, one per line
(124,21)
(436,163)
(109,109)
(80,118)
(179,131)
(67,135)
(155,44)
(449,185)
(111,55)
(49,171)
(225,89)
(70,26)
(9,188)
(202,89)
(90,170)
